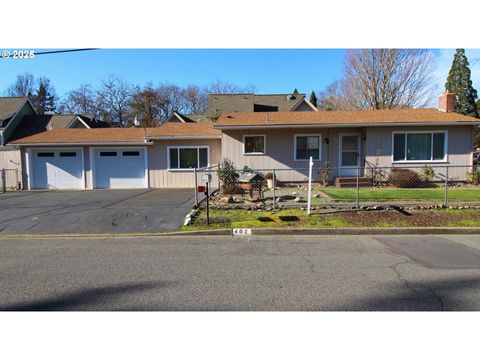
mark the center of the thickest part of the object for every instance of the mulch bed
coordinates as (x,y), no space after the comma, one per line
(404,218)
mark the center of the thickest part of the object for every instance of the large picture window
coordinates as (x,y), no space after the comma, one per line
(419,146)
(306,146)
(187,157)
(254,144)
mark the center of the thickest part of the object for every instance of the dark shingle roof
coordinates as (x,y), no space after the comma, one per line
(220,103)
(9,106)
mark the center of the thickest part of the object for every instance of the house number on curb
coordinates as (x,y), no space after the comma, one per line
(242,232)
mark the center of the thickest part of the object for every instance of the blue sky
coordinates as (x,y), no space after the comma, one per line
(269,70)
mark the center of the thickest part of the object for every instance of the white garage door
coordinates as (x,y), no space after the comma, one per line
(57,169)
(119,168)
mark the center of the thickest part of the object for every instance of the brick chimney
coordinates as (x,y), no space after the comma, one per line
(446,102)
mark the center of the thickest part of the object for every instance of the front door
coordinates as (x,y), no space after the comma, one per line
(349,154)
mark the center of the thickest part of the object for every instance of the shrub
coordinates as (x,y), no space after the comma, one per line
(228,175)
(473,176)
(404,178)
(428,173)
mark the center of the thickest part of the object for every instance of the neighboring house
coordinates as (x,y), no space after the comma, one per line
(223,103)
(18,119)
(166,156)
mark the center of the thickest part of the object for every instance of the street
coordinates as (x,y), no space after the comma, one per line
(261,273)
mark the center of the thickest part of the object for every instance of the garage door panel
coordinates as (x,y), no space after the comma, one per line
(120,168)
(57,169)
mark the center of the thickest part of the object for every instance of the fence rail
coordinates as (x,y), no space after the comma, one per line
(332,187)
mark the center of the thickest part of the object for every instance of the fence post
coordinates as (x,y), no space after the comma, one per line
(446,187)
(357,198)
(4,181)
(309,203)
(196,185)
(273,189)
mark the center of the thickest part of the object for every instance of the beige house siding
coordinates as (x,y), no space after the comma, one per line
(11,161)
(459,149)
(280,151)
(161,177)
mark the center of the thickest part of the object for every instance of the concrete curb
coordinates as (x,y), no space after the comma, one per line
(264,231)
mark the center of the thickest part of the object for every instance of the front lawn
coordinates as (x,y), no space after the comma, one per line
(437,194)
(228,219)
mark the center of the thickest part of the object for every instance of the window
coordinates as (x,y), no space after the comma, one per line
(187,157)
(419,146)
(45,154)
(68,154)
(108,153)
(306,146)
(254,144)
(131,153)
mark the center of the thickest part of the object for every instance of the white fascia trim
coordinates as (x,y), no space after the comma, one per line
(84,144)
(307,126)
(76,117)
(182,137)
(307,102)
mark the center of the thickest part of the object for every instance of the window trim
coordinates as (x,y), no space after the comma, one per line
(255,153)
(319,147)
(431,161)
(187,147)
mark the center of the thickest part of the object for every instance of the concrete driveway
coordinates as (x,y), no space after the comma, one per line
(96,211)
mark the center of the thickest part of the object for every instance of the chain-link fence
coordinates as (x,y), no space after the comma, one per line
(335,187)
(10,179)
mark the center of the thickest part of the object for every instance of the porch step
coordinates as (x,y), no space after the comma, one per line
(352,182)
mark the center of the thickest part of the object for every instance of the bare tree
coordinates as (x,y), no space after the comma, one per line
(171,98)
(195,99)
(146,106)
(23,86)
(80,101)
(385,79)
(224,87)
(114,99)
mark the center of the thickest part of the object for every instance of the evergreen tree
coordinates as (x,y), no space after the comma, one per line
(295,91)
(460,84)
(313,99)
(44,99)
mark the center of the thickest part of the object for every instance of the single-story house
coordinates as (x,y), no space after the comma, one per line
(118,157)
(346,140)
(166,156)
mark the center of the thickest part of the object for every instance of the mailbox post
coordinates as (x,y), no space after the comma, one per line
(207,178)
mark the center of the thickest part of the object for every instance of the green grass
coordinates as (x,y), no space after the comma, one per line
(456,194)
(228,219)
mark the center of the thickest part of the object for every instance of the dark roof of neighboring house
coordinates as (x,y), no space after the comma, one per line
(9,106)
(344,118)
(118,135)
(34,124)
(278,102)
(221,103)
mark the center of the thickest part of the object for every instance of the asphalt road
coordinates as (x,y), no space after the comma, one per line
(226,273)
(94,211)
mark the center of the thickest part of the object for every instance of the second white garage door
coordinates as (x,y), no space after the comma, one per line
(123,168)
